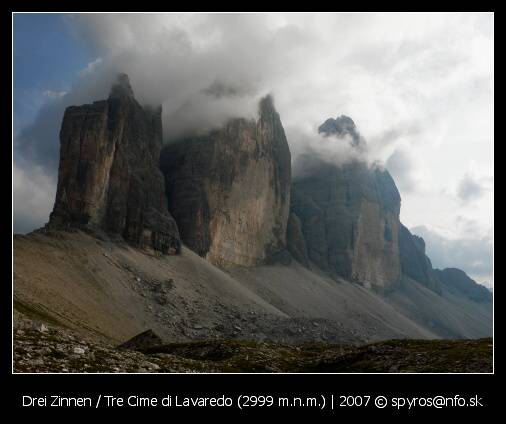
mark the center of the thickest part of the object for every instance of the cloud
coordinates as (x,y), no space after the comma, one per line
(218,89)
(176,59)
(34,194)
(309,148)
(400,165)
(54,94)
(473,254)
(91,67)
(37,144)
(471,188)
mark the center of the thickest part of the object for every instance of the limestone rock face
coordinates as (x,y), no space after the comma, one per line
(229,190)
(109,177)
(349,217)
(414,262)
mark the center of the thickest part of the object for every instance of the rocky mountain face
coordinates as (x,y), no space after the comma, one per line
(349,219)
(345,219)
(232,195)
(109,179)
(414,262)
(229,190)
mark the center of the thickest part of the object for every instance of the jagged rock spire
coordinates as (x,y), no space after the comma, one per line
(108,177)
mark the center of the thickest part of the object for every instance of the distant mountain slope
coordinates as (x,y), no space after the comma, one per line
(458,281)
(450,314)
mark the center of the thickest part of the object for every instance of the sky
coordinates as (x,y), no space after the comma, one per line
(419,87)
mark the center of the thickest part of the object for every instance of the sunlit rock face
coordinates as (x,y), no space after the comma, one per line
(109,177)
(349,217)
(229,190)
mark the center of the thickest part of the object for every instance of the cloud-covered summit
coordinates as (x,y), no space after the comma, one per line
(342,127)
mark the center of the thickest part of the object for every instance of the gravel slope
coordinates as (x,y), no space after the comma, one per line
(110,292)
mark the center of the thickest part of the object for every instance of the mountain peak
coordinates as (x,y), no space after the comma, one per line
(266,105)
(122,87)
(109,163)
(342,126)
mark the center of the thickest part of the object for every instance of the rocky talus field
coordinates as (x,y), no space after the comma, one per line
(41,348)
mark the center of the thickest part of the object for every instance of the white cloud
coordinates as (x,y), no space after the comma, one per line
(91,67)
(401,166)
(54,94)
